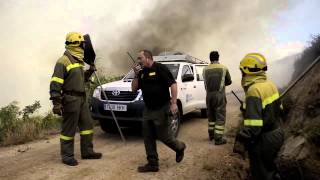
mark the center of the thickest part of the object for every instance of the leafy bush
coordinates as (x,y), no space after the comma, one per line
(308,56)
(18,126)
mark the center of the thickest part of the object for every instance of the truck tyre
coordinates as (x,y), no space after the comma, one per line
(204,113)
(107,126)
(175,124)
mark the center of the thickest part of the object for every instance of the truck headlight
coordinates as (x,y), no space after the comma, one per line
(97,93)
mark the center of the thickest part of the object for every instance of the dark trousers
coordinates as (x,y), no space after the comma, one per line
(76,114)
(263,153)
(216,107)
(156,126)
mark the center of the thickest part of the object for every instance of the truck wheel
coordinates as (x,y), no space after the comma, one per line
(107,126)
(204,113)
(175,124)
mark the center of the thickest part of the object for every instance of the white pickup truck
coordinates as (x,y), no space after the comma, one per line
(128,106)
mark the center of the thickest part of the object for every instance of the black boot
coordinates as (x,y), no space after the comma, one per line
(86,147)
(93,155)
(70,162)
(220,141)
(148,168)
(180,153)
(67,155)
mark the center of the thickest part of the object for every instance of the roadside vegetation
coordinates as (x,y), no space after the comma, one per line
(20,125)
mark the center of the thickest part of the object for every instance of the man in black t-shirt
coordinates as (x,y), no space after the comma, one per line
(154,79)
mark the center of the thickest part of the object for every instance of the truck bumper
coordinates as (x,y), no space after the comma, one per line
(134,111)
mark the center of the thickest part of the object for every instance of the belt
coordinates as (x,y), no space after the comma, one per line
(74,93)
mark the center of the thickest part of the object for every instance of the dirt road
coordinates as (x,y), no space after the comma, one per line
(203,160)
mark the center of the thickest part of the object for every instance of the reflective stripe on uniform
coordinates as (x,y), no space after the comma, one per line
(86,132)
(210,128)
(58,80)
(224,71)
(270,100)
(212,123)
(219,127)
(75,65)
(253,122)
(218,131)
(67,138)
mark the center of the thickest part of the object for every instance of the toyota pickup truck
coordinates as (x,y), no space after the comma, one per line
(128,106)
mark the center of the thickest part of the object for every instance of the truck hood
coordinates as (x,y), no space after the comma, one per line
(117,85)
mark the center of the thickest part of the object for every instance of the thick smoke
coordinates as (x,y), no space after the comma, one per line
(33,34)
(197,27)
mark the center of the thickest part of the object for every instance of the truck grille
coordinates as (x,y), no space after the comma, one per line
(123,96)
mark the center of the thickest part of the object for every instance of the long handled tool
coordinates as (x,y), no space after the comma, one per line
(236,96)
(300,77)
(106,98)
(89,58)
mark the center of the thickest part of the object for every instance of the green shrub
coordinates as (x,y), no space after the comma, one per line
(19,126)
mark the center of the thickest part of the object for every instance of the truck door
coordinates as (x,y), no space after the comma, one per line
(199,94)
(186,90)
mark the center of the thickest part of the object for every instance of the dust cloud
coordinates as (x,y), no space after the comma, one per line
(33,32)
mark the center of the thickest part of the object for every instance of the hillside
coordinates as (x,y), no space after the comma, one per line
(300,155)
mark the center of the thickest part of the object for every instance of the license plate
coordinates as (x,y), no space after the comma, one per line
(115,107)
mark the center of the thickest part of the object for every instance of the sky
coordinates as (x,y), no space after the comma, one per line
(33,34)
(294,27)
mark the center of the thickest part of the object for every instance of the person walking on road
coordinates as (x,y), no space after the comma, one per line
(216,77)
(67,92)
(154,79)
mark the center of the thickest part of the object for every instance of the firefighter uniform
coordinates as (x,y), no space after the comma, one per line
(67,88)
(216,77)
(261,134)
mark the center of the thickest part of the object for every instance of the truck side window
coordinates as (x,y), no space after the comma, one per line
(199,71)
(186,70)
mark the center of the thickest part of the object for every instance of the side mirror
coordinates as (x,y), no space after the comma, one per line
(187,77)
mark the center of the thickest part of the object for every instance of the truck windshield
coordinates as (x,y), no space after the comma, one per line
(174,68)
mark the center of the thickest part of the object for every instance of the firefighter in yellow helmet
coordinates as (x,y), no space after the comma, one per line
(261,134)
(67,92)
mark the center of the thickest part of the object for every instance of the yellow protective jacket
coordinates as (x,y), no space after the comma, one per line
(68,76)
(216,77)
(262,110)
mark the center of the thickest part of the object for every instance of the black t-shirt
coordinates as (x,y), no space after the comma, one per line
(154,83)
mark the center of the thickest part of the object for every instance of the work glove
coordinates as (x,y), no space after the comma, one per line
(57,106)
(57,109)
(92,68)
(240,149)
(89,72)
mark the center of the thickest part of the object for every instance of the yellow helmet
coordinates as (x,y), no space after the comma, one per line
(74,39)
(253,63)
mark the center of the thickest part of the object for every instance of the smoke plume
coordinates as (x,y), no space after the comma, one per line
(234,28)
(33,33)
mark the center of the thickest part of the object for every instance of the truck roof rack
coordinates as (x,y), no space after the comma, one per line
(179,58)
